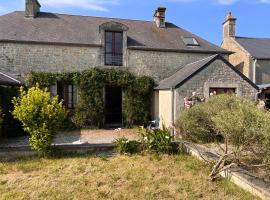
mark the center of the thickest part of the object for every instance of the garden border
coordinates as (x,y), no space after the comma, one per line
(237,175)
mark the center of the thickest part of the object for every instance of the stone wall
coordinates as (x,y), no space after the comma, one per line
(240,58)
(160,64)
(18,58)
(21,58)
(218,74)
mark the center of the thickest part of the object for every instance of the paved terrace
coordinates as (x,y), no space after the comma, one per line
(78,137)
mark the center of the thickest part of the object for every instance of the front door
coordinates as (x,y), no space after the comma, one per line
(113,106)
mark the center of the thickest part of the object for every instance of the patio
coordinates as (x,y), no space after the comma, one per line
(78,137)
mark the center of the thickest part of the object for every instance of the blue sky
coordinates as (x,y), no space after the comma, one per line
(202,17)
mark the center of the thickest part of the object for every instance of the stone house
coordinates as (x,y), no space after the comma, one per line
(50,42)
(251,55)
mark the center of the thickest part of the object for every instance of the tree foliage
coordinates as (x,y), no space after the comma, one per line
(244,128)
(40,115)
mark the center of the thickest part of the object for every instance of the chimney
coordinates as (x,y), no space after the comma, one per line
(32,8)
(229,26)
(159,17)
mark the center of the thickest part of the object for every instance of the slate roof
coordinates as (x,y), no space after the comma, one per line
(8,80)
(84,30)
(188,71)
(259,48)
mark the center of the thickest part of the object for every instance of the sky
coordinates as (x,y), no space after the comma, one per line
(201,17)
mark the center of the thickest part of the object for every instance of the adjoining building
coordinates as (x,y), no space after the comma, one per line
(251,55)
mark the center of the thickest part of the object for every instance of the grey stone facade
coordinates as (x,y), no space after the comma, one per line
(218,74)
(22,58)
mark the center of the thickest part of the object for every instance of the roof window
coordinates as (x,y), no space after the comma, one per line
(190,41)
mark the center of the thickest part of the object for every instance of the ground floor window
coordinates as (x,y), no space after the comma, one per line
(68,93)
(217,91)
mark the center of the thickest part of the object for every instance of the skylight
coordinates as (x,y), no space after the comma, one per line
(190,41)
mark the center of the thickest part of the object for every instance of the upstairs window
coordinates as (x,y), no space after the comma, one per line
(113,48)
(190,41)
(68,94)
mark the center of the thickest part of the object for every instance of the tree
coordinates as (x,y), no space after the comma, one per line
(238,127)
(40,115)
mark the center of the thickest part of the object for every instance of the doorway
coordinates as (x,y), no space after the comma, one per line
(113,106)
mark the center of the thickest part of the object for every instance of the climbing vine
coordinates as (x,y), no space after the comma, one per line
(90,110)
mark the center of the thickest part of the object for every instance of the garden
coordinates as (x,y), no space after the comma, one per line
(154,166)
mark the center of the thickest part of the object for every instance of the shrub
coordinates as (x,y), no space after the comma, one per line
(244,128)
(195,124)
(40,115)
(123,145)
(156,140)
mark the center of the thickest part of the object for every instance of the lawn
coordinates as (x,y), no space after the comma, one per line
(119,177)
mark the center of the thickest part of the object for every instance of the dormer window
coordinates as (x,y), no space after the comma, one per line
(113,48)
(190,41)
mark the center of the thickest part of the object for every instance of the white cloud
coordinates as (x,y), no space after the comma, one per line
(98,5)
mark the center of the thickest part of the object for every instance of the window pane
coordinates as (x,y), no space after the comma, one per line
(190,41)
(108,36)
(108,47)
(118,48)
(113,48)
(118,38)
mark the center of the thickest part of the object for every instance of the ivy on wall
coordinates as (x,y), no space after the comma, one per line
(90,110)
(10,126)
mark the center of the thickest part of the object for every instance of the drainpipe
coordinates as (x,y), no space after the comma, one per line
(257,94)
(172,111)
(254,70)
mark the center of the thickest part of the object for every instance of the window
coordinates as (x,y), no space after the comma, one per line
(217,91)
(190,41)
(113,48)
(68,93)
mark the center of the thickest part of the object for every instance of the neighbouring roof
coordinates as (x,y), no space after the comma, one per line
(8,80)
(84,30)
(259,48)
(188,71)
(264,86)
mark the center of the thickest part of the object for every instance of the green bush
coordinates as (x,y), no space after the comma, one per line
(196,124)
(156,140)
(40,115)
(244,127)
(123,146)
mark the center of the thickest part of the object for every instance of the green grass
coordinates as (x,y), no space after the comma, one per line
(120,177)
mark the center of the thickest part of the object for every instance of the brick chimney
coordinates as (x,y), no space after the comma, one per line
(159,17)
(229,26)
(32,8)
